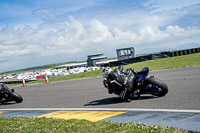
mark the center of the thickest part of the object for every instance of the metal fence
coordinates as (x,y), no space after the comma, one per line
(155,56)
(13,81)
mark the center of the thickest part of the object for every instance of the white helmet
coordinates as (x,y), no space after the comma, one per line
(106,71)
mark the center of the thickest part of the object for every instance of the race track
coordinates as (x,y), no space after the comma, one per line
(184,93)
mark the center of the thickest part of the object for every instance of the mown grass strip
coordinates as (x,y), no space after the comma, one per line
(47,125)
(168,63)
(159,64)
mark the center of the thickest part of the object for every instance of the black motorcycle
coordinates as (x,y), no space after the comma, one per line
(8,95)
(140,84)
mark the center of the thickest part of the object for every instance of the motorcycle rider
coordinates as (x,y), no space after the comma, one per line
(2,87)
(121,79)
(2,90)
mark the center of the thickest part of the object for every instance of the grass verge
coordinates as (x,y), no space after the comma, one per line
(47,125)
(159,64)
(168,63)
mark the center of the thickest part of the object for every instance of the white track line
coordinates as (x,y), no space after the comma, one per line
(103,109)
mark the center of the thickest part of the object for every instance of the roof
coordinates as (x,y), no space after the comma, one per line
(100,57)
(105,62)
(72,64)
(96,54)
(125,48)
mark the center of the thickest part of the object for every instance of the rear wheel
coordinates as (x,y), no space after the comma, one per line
(155,87)
(16,97)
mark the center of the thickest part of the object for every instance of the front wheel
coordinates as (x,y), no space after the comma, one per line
(16,97)
(155,87)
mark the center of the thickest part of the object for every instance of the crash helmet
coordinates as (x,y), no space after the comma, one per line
(106,71)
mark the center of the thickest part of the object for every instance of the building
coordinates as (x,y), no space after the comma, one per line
(125,53)
(93,59)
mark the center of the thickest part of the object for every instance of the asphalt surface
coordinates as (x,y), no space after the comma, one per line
(183,83)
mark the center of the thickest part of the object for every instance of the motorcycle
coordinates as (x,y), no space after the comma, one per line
(8,95)
(140,83)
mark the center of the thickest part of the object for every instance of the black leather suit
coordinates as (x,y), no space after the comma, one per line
(125,82)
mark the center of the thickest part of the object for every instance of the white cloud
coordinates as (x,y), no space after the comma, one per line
(175,30)
(21,45)
(98,32)
(167,5)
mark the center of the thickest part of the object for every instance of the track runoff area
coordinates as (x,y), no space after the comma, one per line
(175,114)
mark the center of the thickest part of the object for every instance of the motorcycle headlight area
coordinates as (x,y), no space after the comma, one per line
(105,74)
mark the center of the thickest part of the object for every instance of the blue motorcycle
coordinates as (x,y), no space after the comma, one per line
(131,83)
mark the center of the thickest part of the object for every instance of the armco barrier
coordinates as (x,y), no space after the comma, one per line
(13,81)
(155,56)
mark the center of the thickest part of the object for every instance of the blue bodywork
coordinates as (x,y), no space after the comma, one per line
(142,74)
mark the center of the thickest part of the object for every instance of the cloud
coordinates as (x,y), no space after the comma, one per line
(45,32)
(73,38)
(65,35)
(167,5)
(44,14)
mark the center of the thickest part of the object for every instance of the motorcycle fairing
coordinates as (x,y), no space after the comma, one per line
(141,75)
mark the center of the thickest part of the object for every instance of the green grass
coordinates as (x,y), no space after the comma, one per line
(168,63)
(159,64)
(46,125)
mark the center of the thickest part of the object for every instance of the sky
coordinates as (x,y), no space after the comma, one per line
(40,32)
